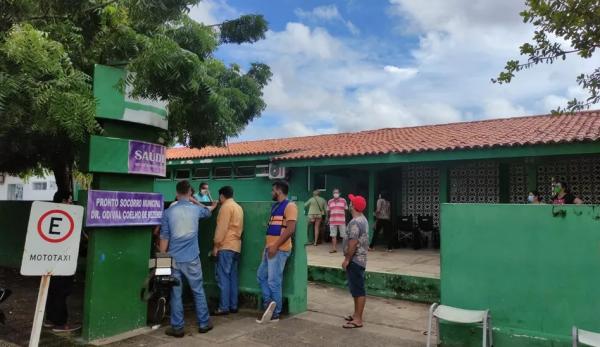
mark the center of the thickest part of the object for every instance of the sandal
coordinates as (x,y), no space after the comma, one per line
(349,318)
(351,325)
(333,251)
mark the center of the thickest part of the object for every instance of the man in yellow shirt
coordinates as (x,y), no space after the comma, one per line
(227,247)
(282,225)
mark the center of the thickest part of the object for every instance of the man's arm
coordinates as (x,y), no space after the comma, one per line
(352,245)
(163,246)
(286,233)
(165,232)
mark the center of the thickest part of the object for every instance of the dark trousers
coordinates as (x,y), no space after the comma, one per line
(56,305)
(386,225)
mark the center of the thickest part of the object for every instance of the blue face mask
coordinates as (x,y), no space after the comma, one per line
(530,198)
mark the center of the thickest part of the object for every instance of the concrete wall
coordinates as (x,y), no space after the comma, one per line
(29,194)
(536,267)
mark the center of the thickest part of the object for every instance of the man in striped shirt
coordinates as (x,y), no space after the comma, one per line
(336,214)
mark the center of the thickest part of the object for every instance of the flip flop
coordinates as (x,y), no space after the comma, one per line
(333,251)
(351,325)
(349,318)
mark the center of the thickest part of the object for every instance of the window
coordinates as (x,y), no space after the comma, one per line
(202,172)
(15,192)
(245,171)
(52,185)
(262,170)
(40,185)
(320,182)
(182,174)
(223,172)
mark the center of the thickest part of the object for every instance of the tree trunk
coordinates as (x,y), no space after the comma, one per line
(63,175)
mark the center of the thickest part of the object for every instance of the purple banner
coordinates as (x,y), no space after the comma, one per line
(108,208)
(147,159)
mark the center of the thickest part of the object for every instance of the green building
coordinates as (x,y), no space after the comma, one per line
(490,161)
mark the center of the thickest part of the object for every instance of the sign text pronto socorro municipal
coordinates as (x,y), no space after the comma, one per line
(113,208)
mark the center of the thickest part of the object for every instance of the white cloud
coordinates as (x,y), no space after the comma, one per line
(323,83)
(212,12)
(327,13)
(404,72)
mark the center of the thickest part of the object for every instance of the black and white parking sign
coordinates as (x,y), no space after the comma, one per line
(53,236)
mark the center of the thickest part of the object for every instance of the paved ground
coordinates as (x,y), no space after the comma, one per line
(388,323)
(420,263)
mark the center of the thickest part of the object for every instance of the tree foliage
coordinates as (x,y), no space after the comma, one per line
(574,22)
(48,50)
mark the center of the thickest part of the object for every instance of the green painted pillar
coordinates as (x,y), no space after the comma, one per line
(124,162)
(371,200)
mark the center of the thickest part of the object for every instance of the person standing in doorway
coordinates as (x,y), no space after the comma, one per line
(383,222)
(281,227)
(203,196)
(227,247)
(179,237)
(336,215)
(356,244)
(316,206)
(535,198)
(60,288)
(563,195)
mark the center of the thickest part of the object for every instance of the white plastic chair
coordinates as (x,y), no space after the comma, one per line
(588,338)
(458,315)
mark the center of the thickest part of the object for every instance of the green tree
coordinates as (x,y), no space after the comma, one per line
(575,22)
(47,54)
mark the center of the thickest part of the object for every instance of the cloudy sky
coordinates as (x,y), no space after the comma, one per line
(355,65)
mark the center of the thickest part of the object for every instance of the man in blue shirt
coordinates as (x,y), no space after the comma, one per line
(179,237)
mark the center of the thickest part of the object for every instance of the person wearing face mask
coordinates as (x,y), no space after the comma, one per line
(535,198)
(562,194)
(336,215)
(204,195)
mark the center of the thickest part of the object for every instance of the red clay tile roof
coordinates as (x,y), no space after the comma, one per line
(506,132)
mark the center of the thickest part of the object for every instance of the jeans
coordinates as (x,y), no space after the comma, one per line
(192,271)
(227,279)
(270,279)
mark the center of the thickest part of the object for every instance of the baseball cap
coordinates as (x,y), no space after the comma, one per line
(358,202)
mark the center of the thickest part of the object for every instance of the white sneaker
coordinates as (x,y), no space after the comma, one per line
(266,317)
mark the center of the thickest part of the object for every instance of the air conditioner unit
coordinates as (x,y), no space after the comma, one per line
(276,171)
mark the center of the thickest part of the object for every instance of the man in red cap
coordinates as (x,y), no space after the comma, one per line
(356,245)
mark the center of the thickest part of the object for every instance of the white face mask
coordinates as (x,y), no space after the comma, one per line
(204,191)
(336,195)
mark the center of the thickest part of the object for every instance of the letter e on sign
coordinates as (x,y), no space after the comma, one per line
(53,236)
